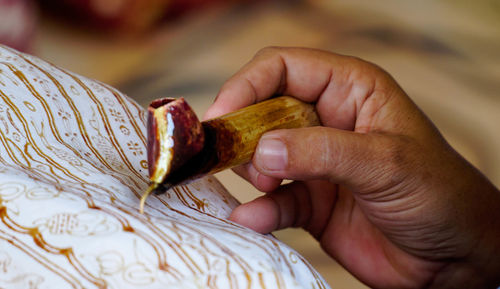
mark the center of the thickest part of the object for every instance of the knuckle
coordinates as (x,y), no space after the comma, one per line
(370,72)
(268,50)
(317,152)
(367,66)
(326,152)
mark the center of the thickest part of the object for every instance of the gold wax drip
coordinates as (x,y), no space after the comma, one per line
(144,196)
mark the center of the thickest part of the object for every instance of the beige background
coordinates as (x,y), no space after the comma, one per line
(445,54)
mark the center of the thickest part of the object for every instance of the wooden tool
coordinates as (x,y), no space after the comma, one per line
(181,148)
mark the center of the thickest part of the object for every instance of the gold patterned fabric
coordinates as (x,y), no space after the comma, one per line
(72,167)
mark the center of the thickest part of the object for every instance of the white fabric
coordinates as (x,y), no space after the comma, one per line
(72,168)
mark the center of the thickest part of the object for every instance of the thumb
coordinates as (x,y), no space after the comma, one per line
(357,160)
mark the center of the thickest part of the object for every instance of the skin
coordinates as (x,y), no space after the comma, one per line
(376,184)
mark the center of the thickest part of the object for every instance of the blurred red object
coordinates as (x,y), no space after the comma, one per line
(121,15)
(179,7)
(17,23)
(128,16)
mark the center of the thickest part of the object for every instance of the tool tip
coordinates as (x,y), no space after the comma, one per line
(144,196)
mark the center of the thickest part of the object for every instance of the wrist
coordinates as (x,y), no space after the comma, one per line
(488,257)
(463,275)
(485,256)
(480,268)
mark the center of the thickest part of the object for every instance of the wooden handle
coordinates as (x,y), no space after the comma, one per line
(237,134)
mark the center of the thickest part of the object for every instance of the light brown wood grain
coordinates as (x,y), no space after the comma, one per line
(246,126)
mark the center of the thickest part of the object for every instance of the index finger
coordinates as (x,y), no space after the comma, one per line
(338,84)
(273,71)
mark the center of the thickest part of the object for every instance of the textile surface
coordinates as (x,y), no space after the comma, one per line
(72,169)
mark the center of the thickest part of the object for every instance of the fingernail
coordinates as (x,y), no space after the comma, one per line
(272,154)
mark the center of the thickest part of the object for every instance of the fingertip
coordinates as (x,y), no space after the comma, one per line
(218,108)
(261,215)
(262,182)
(213,111)
(267,184)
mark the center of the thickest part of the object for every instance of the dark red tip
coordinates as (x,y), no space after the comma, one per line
(188,136)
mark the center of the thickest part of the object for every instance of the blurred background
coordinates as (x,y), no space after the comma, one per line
(445,54)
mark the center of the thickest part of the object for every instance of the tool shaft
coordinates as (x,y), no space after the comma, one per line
(231,140)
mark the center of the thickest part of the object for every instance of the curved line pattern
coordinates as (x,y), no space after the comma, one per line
(69,203)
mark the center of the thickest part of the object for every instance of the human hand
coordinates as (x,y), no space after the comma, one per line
(376,185)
